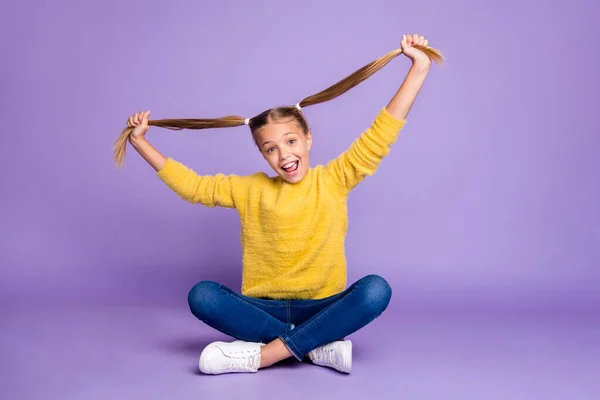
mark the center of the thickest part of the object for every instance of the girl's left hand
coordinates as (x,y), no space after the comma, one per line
(408,42)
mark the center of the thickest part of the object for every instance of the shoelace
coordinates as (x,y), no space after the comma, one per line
(239,359)
(324,354)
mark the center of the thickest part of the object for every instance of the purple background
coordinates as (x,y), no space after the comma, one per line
(490,195)
(488,202)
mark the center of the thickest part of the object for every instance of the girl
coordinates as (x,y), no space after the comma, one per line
(293,227)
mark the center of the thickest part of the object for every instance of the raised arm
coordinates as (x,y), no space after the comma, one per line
(364,155)
(402,102)
(218,190)
(148,152)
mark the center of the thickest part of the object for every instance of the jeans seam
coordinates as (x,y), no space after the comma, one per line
(263,304)
(291,346)
(310,305)
(243,300)
(299,331)
(250,300)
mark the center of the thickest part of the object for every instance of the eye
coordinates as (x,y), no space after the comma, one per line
(270,149)
(292,141)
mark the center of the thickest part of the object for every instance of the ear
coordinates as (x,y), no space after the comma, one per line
(309,140)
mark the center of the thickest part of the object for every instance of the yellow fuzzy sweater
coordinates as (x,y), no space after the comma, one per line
(292,235)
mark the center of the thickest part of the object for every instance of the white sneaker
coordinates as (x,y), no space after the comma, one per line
(337,355)
(238,356)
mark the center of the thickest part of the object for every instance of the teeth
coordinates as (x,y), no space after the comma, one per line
(288,164)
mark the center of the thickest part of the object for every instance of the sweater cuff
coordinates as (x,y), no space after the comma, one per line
(169,170)
(389,120)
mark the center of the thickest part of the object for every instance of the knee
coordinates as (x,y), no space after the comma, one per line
(203,299)
(376,293)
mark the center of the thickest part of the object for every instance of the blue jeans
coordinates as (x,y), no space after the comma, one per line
(302,325)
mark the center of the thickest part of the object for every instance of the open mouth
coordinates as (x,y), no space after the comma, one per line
(290,168)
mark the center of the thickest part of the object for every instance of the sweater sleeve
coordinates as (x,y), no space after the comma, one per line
(219,190)
(363,157)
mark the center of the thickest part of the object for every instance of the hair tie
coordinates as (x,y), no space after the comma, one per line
(298,106)
(247,121)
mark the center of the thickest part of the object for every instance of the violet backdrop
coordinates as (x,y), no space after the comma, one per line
(490,198)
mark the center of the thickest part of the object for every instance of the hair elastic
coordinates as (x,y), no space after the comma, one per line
(298,106)
(247,121)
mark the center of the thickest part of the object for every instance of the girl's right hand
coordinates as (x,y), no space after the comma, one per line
(139,123)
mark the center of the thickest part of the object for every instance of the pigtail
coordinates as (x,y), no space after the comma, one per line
(330,93)
(365,72)
(120,146)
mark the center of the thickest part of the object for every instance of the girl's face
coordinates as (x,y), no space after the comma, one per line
(285,148)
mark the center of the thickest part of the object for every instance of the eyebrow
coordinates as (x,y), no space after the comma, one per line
(285,134)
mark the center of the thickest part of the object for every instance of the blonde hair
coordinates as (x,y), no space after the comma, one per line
(274,114)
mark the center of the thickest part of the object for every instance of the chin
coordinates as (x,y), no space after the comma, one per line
(292,179)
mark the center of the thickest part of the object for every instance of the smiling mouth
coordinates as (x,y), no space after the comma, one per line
(291,167)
